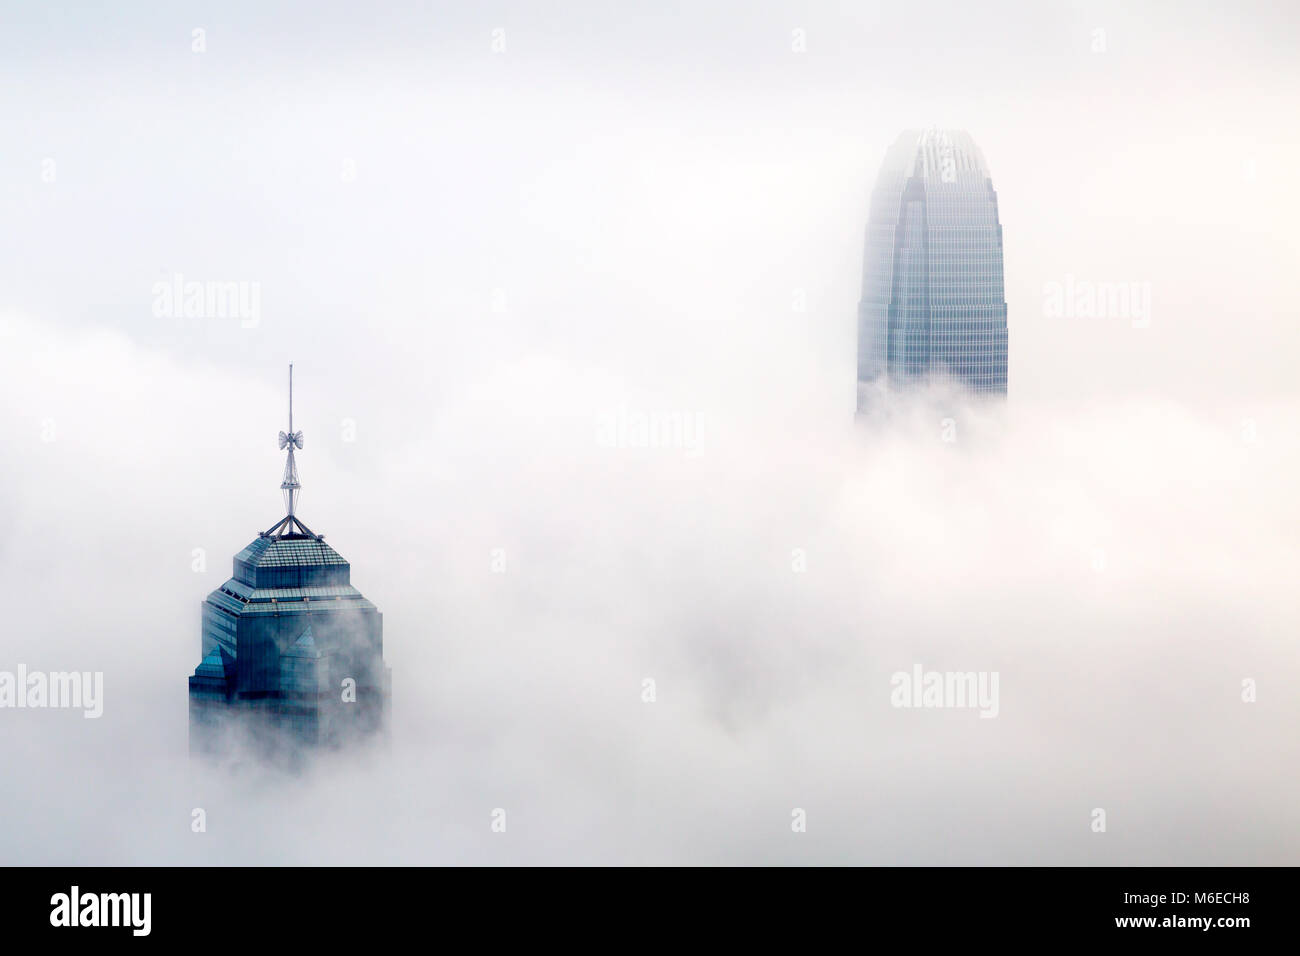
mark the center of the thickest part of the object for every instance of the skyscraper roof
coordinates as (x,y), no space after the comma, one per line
(928,152)
(277,562)
(274,552)
(933,299)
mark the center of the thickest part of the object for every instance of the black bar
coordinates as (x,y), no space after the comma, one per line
(924,905)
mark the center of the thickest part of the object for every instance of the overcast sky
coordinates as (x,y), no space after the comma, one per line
(481,236)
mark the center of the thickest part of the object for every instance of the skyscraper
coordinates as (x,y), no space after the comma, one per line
(932,288)
(292,653)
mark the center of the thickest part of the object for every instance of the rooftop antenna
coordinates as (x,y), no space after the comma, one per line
(290,486)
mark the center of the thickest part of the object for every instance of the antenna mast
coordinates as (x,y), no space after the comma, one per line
(290,486)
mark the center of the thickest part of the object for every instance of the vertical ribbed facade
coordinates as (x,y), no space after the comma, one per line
(933,301)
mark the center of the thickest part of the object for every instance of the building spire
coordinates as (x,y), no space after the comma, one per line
(290,486)
(290,440)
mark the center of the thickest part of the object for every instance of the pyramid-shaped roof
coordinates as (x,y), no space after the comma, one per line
(305,646)
(291,561)
(289,551)
(215,665)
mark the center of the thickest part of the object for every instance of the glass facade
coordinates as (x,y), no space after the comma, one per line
(932,288)
(291,652)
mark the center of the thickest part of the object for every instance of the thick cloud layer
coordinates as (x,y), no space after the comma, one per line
(1122,566)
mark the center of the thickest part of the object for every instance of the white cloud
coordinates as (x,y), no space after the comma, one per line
(1120,688)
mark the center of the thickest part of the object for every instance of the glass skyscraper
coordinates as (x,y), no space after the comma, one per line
(932,290)
(291,654)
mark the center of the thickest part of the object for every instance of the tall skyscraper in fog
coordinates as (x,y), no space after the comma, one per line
(932,291)
(292,653)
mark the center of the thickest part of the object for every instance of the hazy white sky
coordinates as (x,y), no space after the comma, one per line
(472,256)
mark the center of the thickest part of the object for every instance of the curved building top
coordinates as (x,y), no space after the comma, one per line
(933,299)
(935,154)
